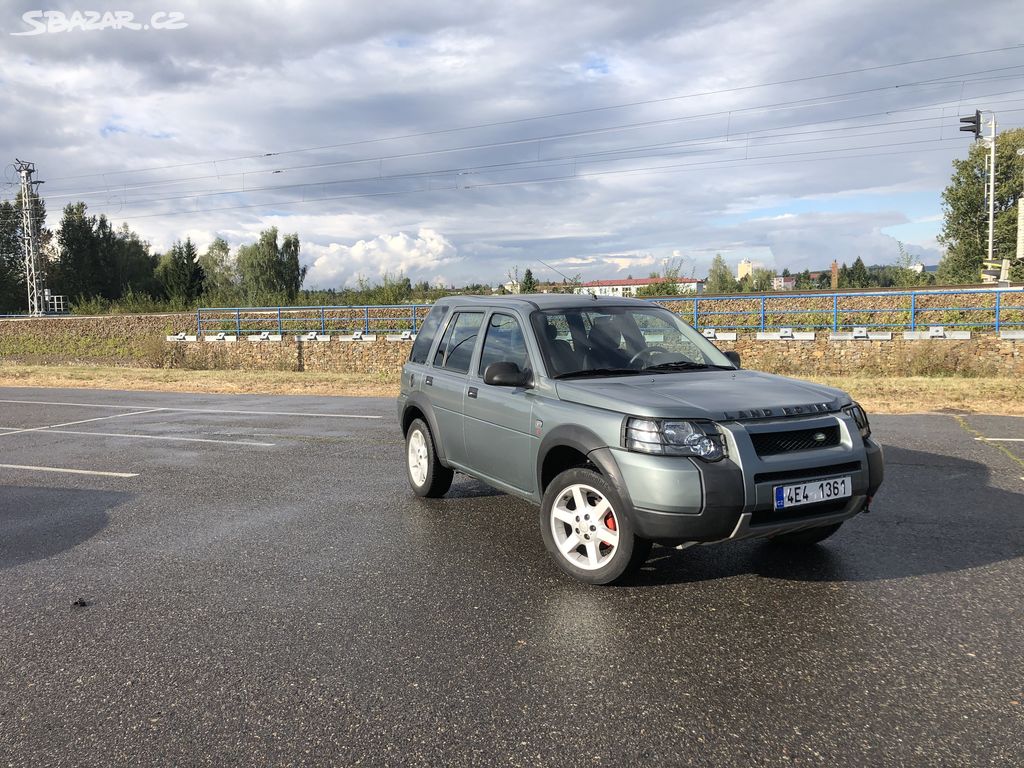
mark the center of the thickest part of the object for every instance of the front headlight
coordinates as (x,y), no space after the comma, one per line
(666,437)
(859,416)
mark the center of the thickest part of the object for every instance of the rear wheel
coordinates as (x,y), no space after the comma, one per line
(805,538)
(427,475)
(585,531)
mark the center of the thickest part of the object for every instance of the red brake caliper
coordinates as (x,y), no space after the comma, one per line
(609,521)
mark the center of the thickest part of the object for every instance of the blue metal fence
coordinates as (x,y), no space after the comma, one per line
(993,309)
(242,321)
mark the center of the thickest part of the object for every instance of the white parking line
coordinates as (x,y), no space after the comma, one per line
(81,421)
(204,410)
(68,471)
(1001,439)
(148,437)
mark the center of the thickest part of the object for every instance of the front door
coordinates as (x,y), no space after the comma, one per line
(499,420)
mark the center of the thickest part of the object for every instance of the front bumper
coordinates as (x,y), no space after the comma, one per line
(675,500)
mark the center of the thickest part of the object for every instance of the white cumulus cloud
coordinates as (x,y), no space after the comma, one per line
(418,256)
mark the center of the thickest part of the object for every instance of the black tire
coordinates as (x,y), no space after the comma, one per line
(621,559)
(805,538)
(437,478)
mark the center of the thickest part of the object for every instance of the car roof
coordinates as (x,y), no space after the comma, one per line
(531,301)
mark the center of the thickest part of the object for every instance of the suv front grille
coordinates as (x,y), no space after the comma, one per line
(771,443)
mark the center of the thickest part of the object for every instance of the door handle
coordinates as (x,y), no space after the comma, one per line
(472,392)
(429,380)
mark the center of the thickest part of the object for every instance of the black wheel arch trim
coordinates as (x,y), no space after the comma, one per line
(422,404)
(590,445)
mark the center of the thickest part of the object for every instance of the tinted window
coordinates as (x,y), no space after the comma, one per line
(504,343)
(425,337)
(456,348)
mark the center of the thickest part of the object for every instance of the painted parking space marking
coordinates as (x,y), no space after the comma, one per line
(171,438)
(1001,439)
(66,470)
(80,421)
(205,410)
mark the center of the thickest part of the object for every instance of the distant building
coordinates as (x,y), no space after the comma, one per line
(629,286)
(783,282)
(746,268)
(929,269)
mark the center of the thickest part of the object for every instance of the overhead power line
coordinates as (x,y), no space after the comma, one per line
(553,115)
(808,102)
(903,150)
(755,138)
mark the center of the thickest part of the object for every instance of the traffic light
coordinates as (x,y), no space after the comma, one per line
(972,124)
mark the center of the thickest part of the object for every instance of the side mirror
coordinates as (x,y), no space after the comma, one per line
(506,375)
(733,357)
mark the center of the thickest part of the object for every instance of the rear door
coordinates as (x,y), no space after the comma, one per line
(445,382)
(499,420)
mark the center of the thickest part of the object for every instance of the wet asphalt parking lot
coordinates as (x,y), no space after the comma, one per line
(255,585)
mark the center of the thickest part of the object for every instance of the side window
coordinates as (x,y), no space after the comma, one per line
(456,348)
(504,343)
(425,337)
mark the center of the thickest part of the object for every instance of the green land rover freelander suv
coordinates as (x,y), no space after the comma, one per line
(628,427)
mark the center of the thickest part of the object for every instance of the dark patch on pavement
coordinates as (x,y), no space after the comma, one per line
(298,605)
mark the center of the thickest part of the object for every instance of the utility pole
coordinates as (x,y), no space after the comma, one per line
(993,269)
(30,238)
(991,262)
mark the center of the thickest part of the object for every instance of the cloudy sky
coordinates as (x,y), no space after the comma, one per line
(454,141)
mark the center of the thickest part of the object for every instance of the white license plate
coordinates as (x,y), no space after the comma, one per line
(812,492)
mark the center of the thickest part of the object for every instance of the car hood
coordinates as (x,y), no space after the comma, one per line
(715,394)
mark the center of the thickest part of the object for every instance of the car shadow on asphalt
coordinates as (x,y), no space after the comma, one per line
(934,514)
(39,523)
(465,487)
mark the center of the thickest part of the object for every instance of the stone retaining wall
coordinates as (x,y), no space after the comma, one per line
(139,341)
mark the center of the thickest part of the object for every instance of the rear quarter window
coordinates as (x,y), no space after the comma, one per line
(427,332)
(459,340)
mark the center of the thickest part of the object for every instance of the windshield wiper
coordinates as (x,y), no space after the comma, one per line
(686,365)
(600,372)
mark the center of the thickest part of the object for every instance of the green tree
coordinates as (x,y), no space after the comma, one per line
(529,284)
(78,271)
(180,274)
(219,270)
(268,272)
(12,273)
(965,225)
(857,275)
(804,282)
(720,279)
(292,273)
(97,260)
(757,282)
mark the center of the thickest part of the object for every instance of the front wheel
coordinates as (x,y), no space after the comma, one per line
(585,530)
(427,475)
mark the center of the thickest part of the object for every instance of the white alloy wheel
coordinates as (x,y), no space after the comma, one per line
(418,459)
(585,527)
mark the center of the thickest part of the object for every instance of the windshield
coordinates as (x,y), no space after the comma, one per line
(620,341)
